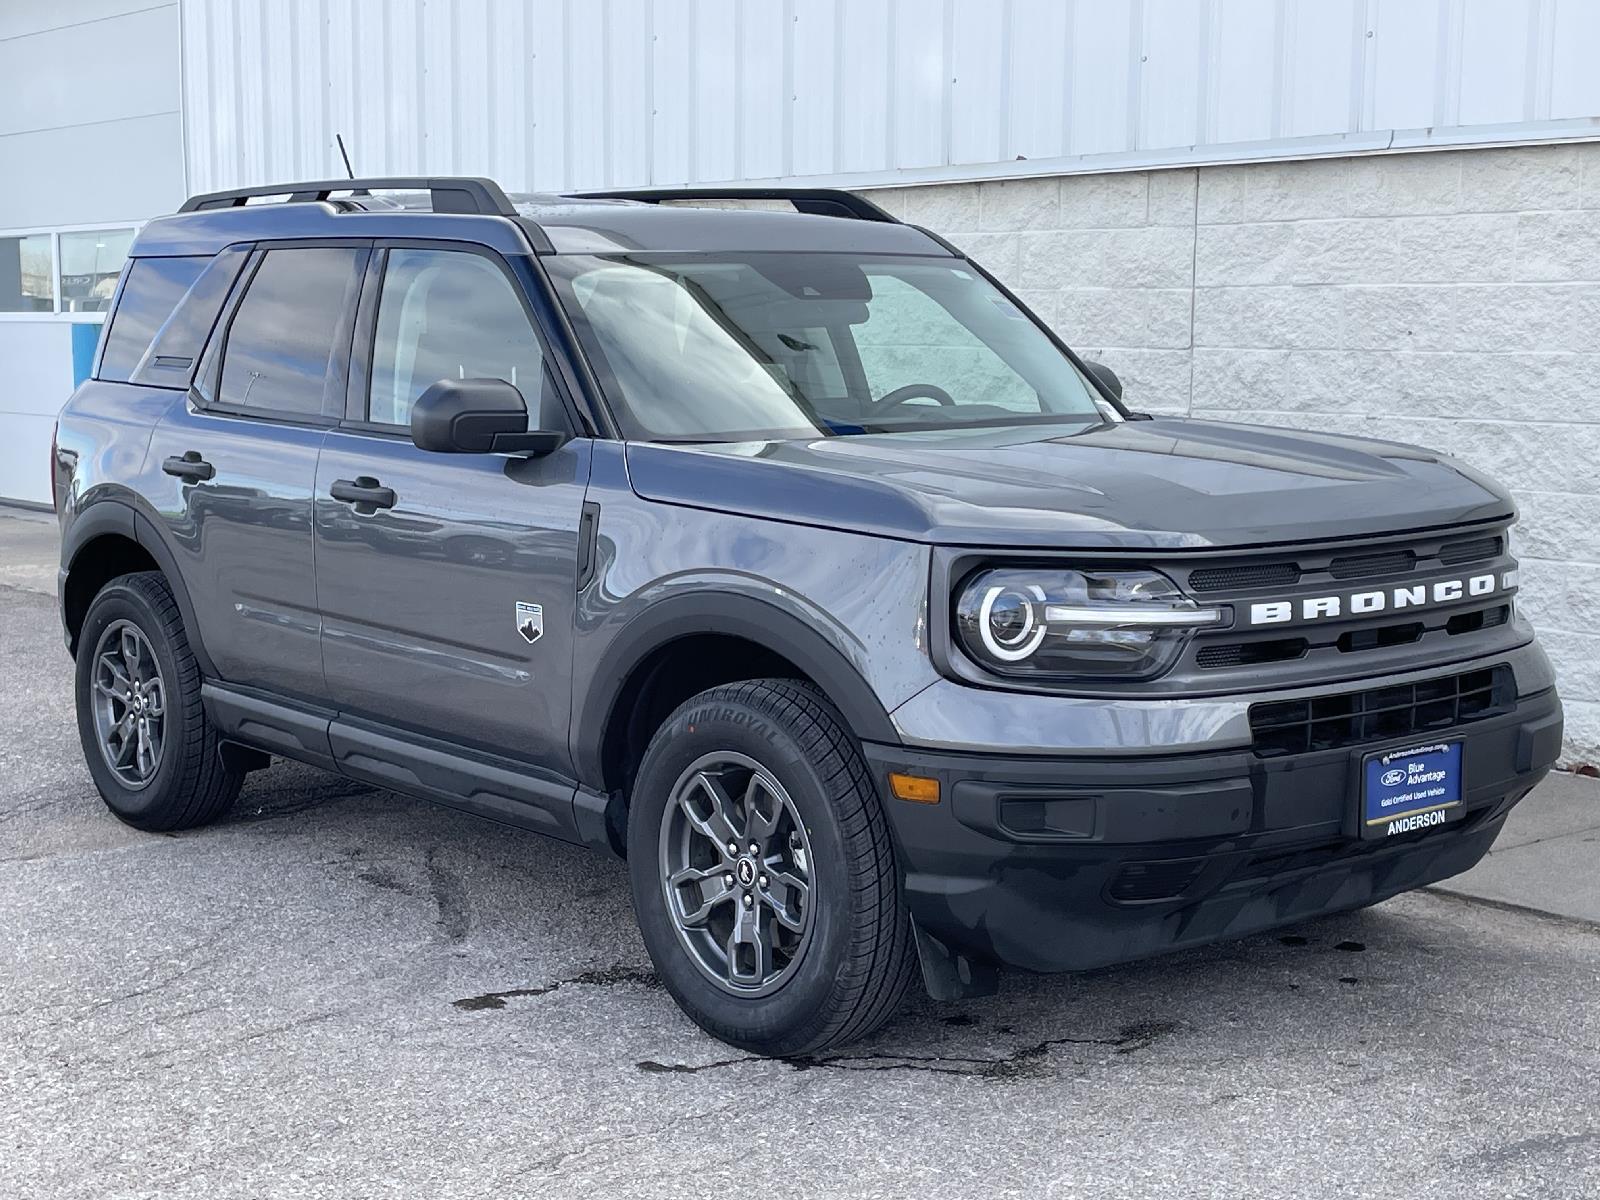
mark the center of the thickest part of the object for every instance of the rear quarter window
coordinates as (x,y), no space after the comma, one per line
(152,291)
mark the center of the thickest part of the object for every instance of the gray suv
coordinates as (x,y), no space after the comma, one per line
(786,554)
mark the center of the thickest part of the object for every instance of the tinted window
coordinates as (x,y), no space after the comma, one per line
(449,315)
(154,288)
(284,333)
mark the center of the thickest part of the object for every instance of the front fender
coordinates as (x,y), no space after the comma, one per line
(737,614)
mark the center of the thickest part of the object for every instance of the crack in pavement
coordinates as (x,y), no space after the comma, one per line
(602,977)
(1024,1061)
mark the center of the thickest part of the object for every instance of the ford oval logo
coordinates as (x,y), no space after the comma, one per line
(1392,778)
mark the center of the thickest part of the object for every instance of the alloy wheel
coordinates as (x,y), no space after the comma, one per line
(736,867)
(129,704)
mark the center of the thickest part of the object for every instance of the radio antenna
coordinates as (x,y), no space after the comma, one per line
(348,169)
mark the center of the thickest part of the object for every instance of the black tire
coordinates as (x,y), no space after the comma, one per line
(852,973)
(188,785)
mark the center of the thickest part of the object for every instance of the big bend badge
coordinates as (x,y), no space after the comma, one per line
(530,621)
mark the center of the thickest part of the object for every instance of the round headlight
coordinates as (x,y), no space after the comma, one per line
(1076,624)
(1009,621)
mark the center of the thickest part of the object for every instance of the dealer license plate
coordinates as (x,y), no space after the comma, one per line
(1414,788)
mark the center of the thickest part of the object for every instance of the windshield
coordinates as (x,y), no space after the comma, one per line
(800,345)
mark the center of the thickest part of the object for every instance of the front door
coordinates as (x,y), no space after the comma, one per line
(447,582)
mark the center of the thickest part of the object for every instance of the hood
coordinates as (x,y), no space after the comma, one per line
(1166,483)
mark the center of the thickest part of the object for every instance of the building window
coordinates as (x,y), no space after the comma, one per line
(91,260)
(25,284)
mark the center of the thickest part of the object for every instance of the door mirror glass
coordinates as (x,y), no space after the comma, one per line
(476,416)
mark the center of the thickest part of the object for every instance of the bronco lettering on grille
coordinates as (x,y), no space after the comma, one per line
(1378,600)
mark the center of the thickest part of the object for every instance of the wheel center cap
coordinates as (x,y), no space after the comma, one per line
(746,870)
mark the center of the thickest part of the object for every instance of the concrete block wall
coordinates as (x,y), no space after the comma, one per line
(1450,299)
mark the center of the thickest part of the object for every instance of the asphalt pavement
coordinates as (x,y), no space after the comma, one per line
(341,992)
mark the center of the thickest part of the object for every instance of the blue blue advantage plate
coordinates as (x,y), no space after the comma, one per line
(1403,791)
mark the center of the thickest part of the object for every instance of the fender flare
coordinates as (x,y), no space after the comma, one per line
(744,616)
(116,516)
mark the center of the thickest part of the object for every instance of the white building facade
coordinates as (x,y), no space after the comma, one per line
(1377,216)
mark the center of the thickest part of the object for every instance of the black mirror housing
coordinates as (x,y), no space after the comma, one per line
(477,416)
(1105,377)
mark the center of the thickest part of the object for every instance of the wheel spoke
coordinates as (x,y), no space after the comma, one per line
(144,758)
(126,744)
(749,949)
(112,689)
(154,697)
(762,810)
(120,683)
(706,885)
(130,652)
(717,824)
(786,895)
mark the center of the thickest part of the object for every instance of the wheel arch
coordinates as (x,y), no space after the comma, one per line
(688,625)
(110,538)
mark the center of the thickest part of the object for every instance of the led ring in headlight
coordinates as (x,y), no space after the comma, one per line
(1011,641)
(1076,624)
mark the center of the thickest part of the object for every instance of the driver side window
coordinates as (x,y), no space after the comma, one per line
(910,338)
(448,314)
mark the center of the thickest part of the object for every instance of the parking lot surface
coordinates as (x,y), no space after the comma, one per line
(338,991)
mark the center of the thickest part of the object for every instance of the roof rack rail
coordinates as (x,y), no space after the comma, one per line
(826,202)
(449,194)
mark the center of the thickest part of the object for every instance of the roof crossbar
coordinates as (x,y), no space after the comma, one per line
(826,202)
(448,194)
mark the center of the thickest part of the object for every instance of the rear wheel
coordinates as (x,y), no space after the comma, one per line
(151,750)
(762,871)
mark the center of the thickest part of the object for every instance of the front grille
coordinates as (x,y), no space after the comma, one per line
(1371,562)
(1484,618)
(1256,575)
(1471,550)
(1363,566)
(1379,714)
(1250,654)
(1379,638)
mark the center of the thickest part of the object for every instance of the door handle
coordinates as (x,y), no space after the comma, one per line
(363,490)
(189,466)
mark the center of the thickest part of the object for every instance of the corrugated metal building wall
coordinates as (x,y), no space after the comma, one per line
(556,94)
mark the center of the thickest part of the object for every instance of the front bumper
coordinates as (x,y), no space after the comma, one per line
(1067,863)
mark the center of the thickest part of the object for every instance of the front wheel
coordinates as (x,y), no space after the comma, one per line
(762,872)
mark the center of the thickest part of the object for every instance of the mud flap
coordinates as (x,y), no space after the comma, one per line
(950,975)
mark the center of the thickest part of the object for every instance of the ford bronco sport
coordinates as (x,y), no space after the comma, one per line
(786,554)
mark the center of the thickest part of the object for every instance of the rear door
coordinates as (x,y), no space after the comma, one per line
(238,461)
(447,605)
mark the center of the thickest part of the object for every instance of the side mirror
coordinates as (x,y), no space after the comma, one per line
(1105,377)
(477,416)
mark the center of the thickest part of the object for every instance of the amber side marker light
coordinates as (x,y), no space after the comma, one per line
(917,788)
